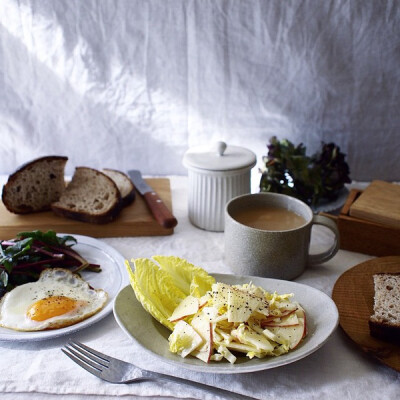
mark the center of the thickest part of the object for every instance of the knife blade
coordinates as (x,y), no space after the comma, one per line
(157,207)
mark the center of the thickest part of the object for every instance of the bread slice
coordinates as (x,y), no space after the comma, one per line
(91,196)
(35,185)
(385,322)
(124,183)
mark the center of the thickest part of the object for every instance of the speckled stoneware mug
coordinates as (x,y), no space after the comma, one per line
(279,254)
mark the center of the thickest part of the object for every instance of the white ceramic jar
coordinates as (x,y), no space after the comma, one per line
(216,175)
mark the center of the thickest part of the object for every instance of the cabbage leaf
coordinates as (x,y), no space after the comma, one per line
(160,288)
(155,290)
(190,279)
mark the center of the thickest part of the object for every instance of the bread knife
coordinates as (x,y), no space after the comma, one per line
(157,207)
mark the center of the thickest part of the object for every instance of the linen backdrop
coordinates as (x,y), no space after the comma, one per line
(135,83)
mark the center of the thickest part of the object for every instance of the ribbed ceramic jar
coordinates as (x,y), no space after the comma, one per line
(217,174)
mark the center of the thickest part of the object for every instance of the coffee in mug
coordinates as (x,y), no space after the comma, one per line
(269,218)
(268,234)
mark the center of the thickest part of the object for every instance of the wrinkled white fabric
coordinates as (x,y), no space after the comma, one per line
(338,370)
(134,83)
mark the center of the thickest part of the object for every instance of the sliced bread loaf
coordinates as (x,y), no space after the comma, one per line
(385,322)
(91,196)
(35,185)
(124,184)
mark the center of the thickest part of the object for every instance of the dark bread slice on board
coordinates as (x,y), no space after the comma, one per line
(385,322)
(34,186)
(91,196)
(124,183)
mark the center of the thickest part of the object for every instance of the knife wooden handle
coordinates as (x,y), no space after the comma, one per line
(160,211)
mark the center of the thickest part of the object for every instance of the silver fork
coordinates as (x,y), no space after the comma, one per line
(117,371)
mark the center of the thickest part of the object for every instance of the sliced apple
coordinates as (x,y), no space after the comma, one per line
(252,338)
(272,336)
(286,306)
(184,339)
(279,314)
(203,324)
(188,306)
(241,347)
(290,320)
(201,355)
(216,357)
(203,301)
(206,351)
(287,312)
(302,314)
(255,325)
(289,334)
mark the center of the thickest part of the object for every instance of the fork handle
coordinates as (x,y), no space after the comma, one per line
(154,376)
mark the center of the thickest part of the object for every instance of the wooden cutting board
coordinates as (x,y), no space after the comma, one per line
(353,294)
(134,220)
(380,202)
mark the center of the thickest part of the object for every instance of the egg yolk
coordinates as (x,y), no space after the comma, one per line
(51,307)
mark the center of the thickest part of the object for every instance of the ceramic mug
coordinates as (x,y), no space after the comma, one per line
(279,254)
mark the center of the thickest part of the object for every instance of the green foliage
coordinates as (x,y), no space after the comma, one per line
(22,259)
(49,237)
(290,171)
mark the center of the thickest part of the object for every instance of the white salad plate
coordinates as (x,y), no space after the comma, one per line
(321,313)
(111,279)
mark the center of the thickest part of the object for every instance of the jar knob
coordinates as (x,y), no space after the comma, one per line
(221,147)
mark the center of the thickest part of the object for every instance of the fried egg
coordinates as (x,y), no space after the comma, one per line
(58,299)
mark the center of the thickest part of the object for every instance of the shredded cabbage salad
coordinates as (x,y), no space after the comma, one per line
(213,320)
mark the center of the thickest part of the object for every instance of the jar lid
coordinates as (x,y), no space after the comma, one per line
(219,157)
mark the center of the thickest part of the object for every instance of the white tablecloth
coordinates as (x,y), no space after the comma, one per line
(339,370)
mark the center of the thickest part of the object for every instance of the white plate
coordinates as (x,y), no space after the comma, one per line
(322,320)
(112,279)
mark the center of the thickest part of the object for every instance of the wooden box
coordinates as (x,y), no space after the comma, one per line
(363,236)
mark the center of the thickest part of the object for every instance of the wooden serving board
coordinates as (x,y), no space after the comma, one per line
(353,294)
(380,203)
(134,220)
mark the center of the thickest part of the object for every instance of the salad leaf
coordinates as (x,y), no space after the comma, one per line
(155,290)
(11,254)
(190,279)
(184,339)
(49,237)
(161,287)
(24,257)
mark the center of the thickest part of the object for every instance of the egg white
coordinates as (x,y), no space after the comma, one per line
(52,282)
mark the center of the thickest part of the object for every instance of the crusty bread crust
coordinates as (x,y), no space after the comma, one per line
(385,322)
(91,197)
(124,183)
(35,185)
(384,331)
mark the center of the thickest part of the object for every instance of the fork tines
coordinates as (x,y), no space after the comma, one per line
(89,359)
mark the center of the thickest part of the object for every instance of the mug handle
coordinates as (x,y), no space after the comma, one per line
(326,255)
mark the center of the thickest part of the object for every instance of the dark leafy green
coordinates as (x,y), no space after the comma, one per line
(23,259)
(289,170)
(49,237)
